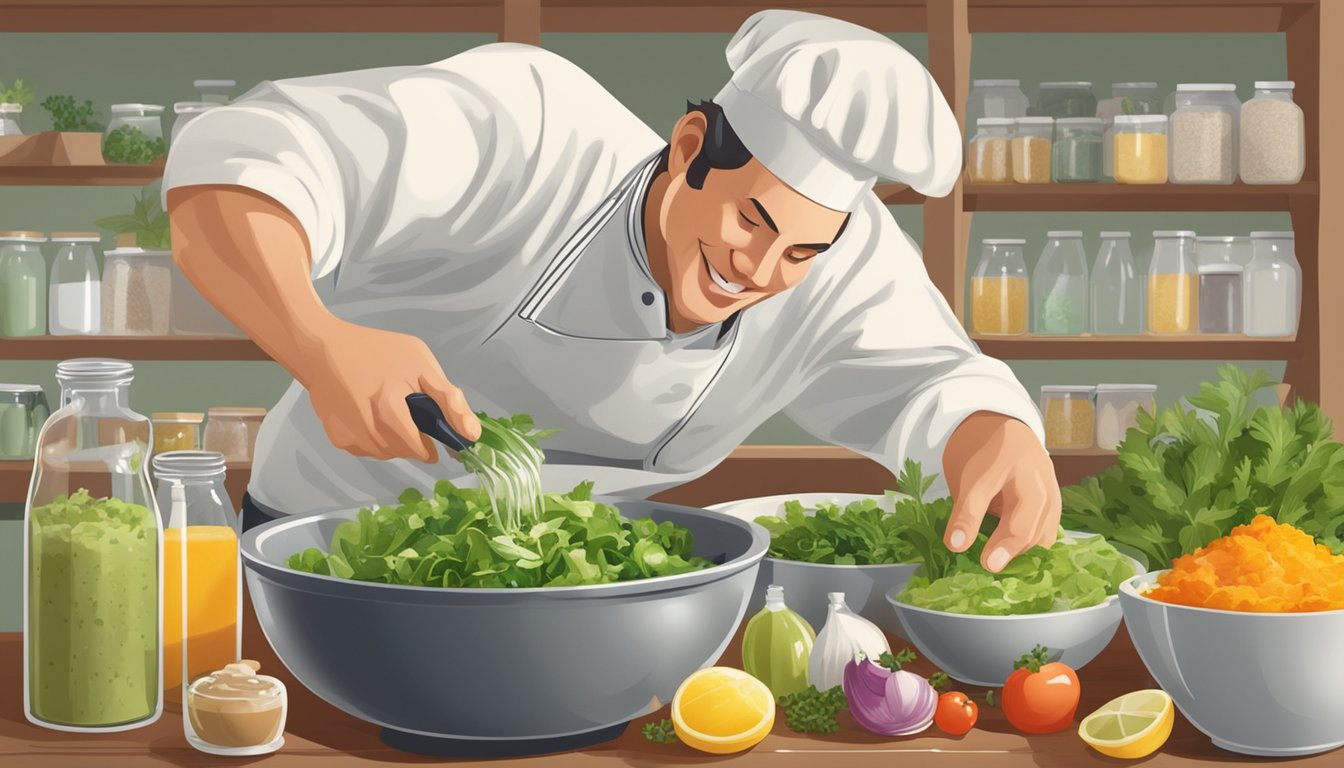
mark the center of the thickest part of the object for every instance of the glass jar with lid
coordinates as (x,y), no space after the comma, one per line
(1077,149)
(1059,286)
(93,549)
(1139,149)
(1118,407)
(1126,99)
(137,289)
(1273,284)
(995,98)
(23,284)
(990,155)
(1031,149)
(1215,249)
(1065,99)
(186,111)
(1070,416)
(1220,298)
(232,431)
(177,431)
(134,136)
(23,411)
(75,305)
(1117,291)
(1173,290)
(215,91)
(1273,135)
(9,119)
(1203,132)
(999,289)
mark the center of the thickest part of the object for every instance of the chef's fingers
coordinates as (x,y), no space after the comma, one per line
(1054,511)
(969,505)
(453,403)
(343,437)
(397,429)
(1019,529)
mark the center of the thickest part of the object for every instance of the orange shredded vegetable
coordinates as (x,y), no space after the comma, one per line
(1265,567)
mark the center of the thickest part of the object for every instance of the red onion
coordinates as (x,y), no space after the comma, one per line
(888,703)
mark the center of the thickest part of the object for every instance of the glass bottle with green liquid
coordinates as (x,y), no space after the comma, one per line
(776,645)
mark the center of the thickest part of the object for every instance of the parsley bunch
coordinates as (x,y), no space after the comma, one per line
(813,711)
(660,732)
(132,146)
(67,116)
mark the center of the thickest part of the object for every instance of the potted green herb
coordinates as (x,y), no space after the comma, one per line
(146,226)
(76,137)
(15,147)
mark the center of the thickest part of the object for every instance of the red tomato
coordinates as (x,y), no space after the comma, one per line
(1043,701)
(956,713)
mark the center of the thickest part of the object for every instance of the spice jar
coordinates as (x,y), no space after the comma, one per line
(134,136)
(1220,298)
(1273,301)
(1273,136)
(1117,291)
(236,711)
(1071,99)
(1059,286)
(185,112)
(1204,134)
(177,431)
(137,289)
(1077,149)
(75,306)
(1118,407)
(1139,146)
(995,98)
(232,431)
(1031,149)
(999,289)
(990,153)
(9,119)
(23,284)
(23,411)
(1070,416)
(1173,296)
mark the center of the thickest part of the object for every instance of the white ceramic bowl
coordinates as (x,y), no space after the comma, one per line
(807,584)
(1265,684)
(980,650)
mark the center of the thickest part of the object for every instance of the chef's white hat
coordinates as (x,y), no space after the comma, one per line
(829,107)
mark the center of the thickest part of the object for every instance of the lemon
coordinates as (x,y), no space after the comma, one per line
(722,710)
(1132,726)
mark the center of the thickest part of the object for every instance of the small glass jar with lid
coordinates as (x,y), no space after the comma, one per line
(1203,132)
(232,431)
(1273,302)
(1273,135)
(134,136)
(995,98)
(9,119)
(75,305)
(1139,149)
(1215,249)
(23,411)
(1117,290)
(1126,99)
(186,111)
(1118,407)
(990,155)
(1077,149)
(1031,149)
(999,295)
(1173,290)
(1070,416)
(215,91)
(177,431)
(1065,99)
(1059,286)
(137,289)
(1220,298)
(23,284)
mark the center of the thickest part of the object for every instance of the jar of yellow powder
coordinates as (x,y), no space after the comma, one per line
(177,431)
(1032,142)
(1070,416)
(1140,149)
(989,159)
(999,289)
(1173,284)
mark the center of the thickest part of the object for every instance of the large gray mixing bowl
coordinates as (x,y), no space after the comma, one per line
(475,672)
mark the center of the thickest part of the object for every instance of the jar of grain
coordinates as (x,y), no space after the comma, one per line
(137,289)
(1118,407)
(1204,134)
(995,98)
(999,289)
(1059,287)
(1077,150)
(1117,291)
(989,156)
(1139,146)
(1273,300)
(1031,151)
(1070,417)
(1220,298)
(1273,136)
(1173,292)
(1071,99)
(23,284)
(177,431)
(232,431)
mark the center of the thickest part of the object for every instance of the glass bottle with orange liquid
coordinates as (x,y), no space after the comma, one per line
(202,531)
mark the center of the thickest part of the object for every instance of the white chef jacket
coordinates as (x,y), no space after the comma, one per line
(491,204)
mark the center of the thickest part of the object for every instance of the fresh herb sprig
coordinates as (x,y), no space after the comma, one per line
(69,116)
(147,221)
(17,92)
(813,711)
(894,663)
(1033,660)
(660,732)
(939,680)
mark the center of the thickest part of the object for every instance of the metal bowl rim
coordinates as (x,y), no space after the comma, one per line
(1129,588)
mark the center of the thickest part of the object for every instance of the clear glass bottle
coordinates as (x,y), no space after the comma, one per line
(1273,135)
(1203,133)
(989,160)
(1273,286)
(75,304)
(134,136)
(999,291)
(1059,286)
(93,553)
(1173,284)
(776,645)
(23,284)
(23,411)
(995,98)
(9,119)
(1033,139)
(1077,149)
(1117,291)
(1139,149)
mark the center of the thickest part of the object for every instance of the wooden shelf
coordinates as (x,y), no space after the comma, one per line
(1135,197)
(251,15)
(1204,347)
(1135,15)
(130,348)
(80,175)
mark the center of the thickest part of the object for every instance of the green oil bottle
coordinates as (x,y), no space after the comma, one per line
(777,644)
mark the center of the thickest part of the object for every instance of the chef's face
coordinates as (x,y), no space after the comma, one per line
(744,236)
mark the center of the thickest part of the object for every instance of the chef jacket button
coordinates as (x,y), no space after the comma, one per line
(647,298)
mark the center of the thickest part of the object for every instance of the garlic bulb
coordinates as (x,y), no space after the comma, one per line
(845,635)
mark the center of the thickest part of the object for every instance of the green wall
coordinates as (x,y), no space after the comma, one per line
(654,74)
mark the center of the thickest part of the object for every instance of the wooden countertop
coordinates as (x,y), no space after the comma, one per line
(317,734)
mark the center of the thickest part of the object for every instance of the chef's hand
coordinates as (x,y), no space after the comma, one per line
(996,464)
(358,381)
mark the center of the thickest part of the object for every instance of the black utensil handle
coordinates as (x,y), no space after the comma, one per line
(428,418)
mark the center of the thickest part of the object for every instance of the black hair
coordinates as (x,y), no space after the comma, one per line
(721,149)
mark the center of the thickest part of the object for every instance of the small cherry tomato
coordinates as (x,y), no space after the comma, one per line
(1040,696)
(956,713)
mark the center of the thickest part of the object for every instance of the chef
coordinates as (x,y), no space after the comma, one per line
(497,231)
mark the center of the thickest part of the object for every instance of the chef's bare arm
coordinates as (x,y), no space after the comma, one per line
(250,258)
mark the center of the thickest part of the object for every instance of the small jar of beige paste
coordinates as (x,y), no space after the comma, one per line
(236,711)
